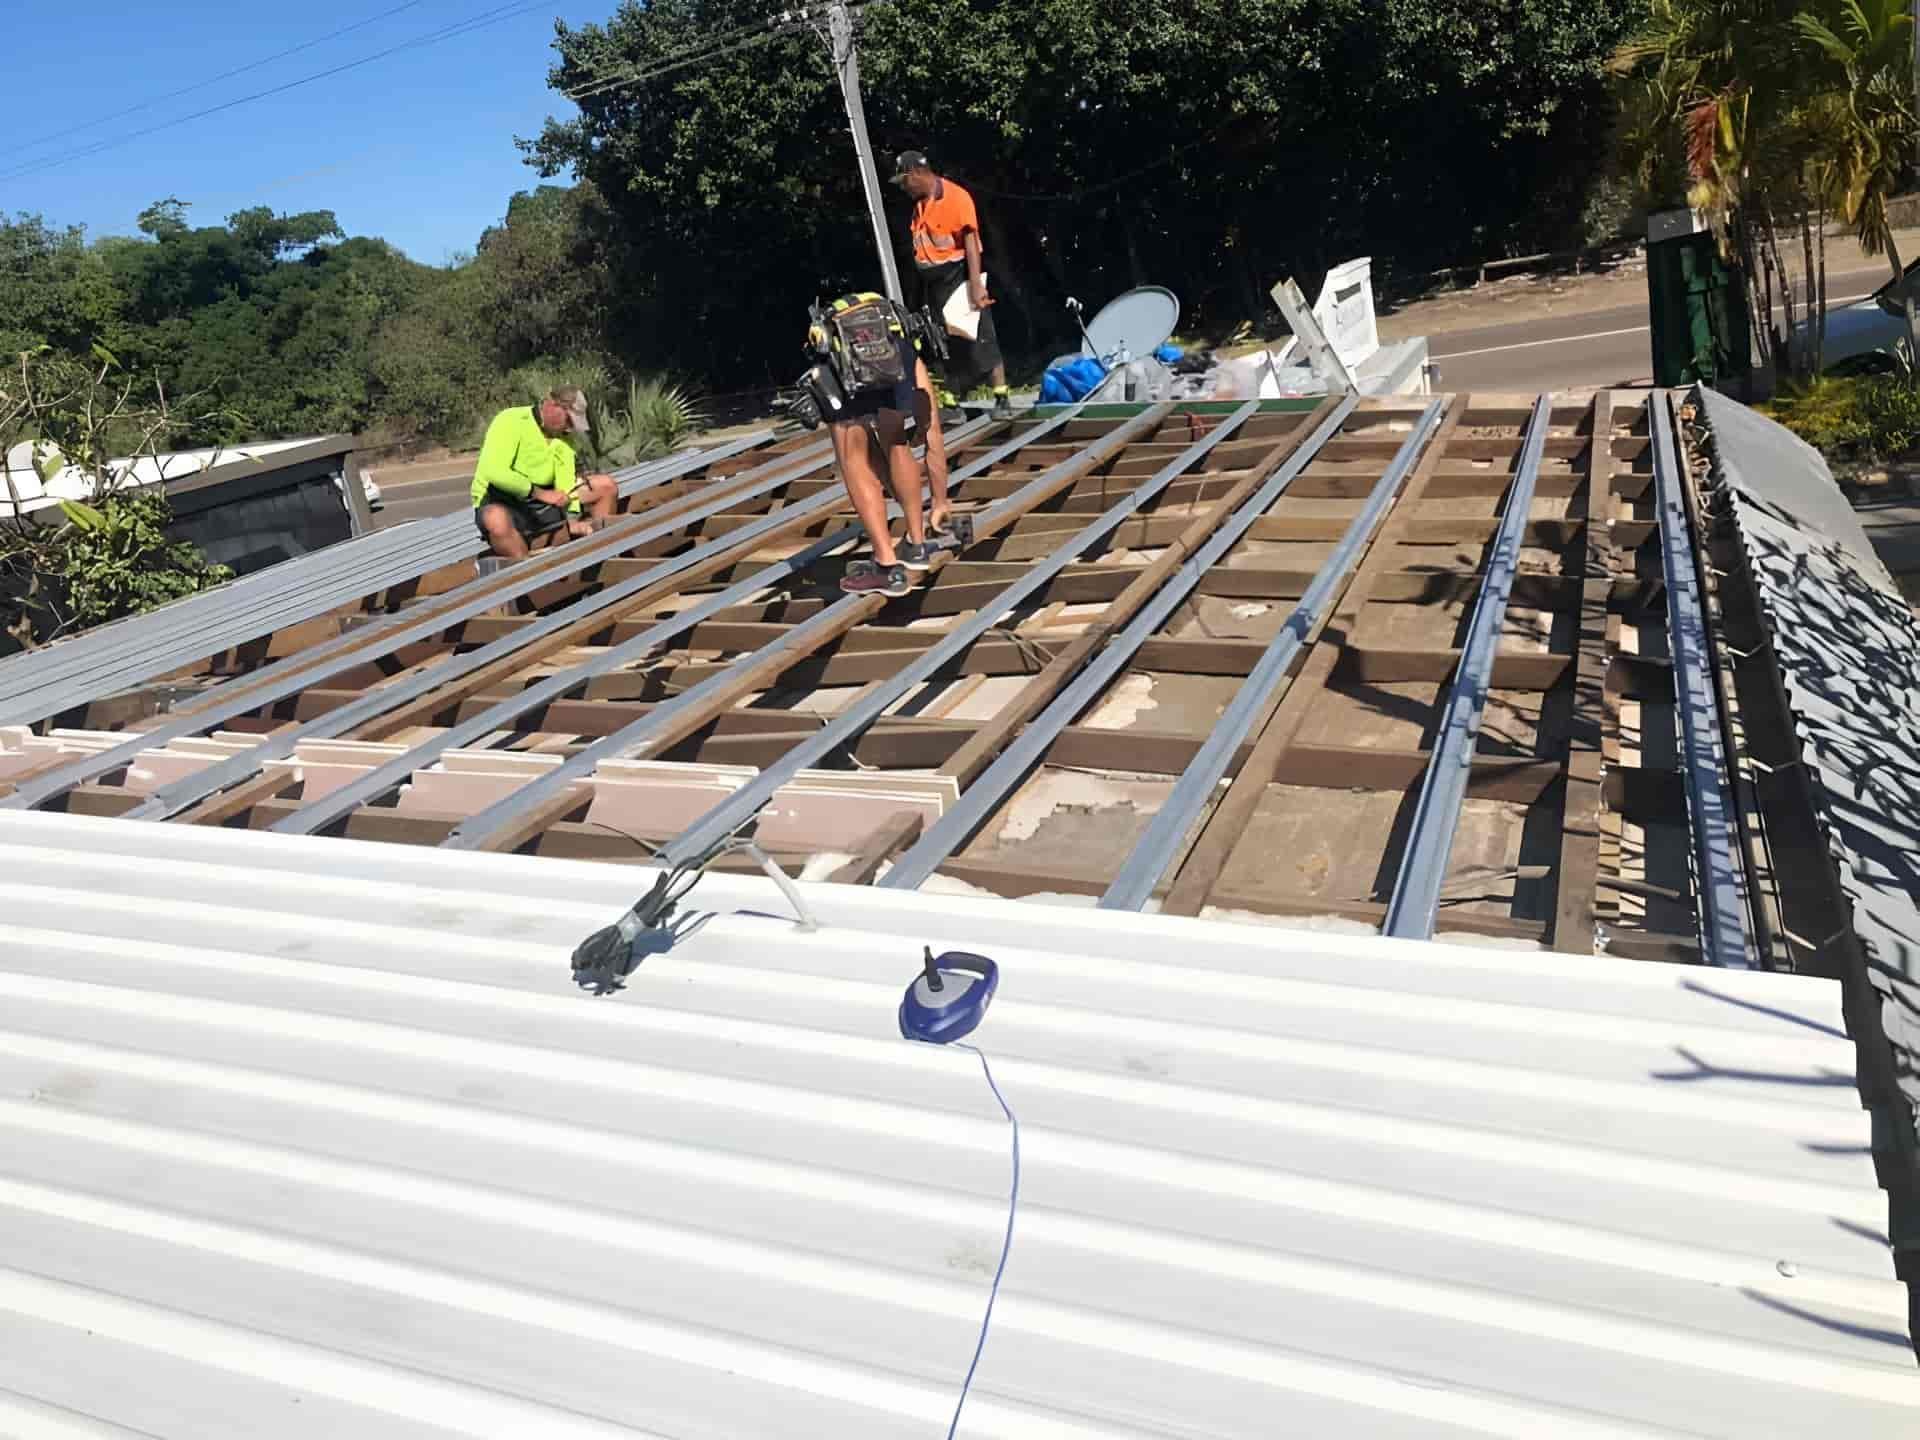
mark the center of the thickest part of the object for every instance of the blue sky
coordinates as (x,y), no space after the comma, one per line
(416,148)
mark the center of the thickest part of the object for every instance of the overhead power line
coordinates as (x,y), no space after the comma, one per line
(713,47)
(614,74)
(685,62)
(199,85)
(432,37)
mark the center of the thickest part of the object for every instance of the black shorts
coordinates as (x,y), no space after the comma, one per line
(532,518)
(865,404)
(970,357)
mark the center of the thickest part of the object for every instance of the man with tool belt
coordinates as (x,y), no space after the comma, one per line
(862,385)
(526,484)
(948,254)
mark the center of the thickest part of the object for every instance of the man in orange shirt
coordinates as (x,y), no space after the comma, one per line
(948,254)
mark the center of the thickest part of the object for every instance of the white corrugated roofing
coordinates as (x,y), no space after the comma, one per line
(316,1138)
(72,483)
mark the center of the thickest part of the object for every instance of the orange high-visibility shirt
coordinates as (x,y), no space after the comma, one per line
(940,226)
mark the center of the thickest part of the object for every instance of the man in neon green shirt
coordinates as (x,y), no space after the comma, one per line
(525,483)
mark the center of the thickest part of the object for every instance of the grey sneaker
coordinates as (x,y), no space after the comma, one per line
(863,577)
(916,557)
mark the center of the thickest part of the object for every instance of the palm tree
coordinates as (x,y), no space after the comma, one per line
(1867,120)
(1723,88)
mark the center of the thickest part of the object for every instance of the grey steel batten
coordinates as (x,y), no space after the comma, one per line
(1443,790)
(237,617)
(1148,860)
(733,812)
(374,562)
(475,830)
(442,541)
(171,799)
(336,804)
(986,793)
(364,559)
(24,680)
(327,809)
(305,670)
(1721,906)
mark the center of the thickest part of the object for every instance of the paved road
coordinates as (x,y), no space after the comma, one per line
(420,499)
(1599,347)
(1894,528)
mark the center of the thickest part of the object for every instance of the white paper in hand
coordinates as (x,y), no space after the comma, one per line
(962,319)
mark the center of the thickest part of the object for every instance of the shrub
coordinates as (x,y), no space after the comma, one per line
(1863,418)
(656,420)
(528,383)
(110,555)
(109,559)
(1890,412)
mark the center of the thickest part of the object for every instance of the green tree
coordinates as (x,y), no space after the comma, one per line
(56,291)
(81,563)
(544,274)
(1726,85)
(274,237)
(164,219)
(1212,145)
(1866,49)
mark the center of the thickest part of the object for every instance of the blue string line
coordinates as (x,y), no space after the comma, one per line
(1006,1245)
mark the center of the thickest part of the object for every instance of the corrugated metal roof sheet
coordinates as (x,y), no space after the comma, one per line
(316,1137)
(70,482)
(1848,653)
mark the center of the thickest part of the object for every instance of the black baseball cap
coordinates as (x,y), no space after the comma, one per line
(907,160)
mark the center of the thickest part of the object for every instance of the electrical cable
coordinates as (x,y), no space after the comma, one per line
(610,78)
(432,37)
(607,87)
(223,75)
(1006,1244)
(712,49)
(786,22)
(616,72)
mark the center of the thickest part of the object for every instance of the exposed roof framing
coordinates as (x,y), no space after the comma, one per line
(290,605)
(1311,573)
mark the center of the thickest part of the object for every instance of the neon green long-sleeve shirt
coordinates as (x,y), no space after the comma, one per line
(518,457)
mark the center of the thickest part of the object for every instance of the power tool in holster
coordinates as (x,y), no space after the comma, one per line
(853,346)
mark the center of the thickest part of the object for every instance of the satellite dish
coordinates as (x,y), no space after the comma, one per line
(1141,320)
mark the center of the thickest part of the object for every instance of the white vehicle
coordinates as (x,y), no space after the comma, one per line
(1865,337)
